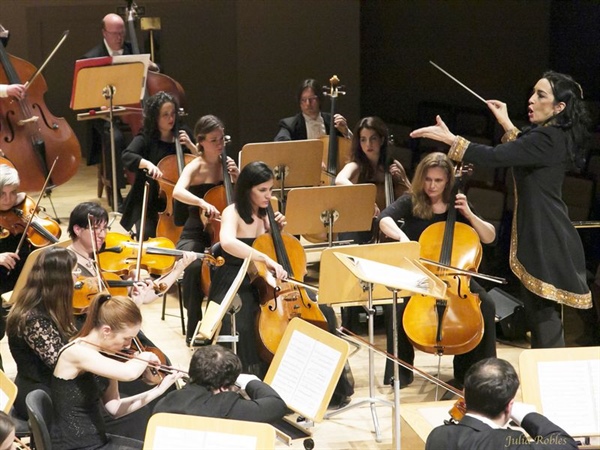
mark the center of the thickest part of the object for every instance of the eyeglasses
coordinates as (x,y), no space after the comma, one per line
(76,271)
(309,99)
(99,229)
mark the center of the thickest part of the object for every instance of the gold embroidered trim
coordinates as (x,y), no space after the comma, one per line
(535,285)
(510,135)
(458,148)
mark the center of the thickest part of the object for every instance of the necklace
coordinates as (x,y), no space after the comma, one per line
(87,260)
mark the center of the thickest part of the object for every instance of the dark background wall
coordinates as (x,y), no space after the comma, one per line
(243,59)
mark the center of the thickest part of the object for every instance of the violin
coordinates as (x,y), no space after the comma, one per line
(281,303)
(121,251)
(30,135)
(42,230)
(453,326)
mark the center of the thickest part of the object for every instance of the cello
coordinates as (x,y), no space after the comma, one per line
(171,166)
(281,303)
(453,326)
(29,134)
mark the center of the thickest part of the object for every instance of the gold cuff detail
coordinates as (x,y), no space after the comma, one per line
(510,135)
(458,148)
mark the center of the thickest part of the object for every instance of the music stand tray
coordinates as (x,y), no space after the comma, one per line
(352,208)
(298,161)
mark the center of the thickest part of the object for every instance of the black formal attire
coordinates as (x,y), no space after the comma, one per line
(294,128)
(245,318)
(8,278)
(265,405)
(194,239)
(546,252)
(99,129)
(153,150)
(472,434)
(413,227)
(78,418)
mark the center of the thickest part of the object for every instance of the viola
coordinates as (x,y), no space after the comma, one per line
(42,230)
(29,134)
(285,300)
(120,254)
(86,288)
(453,326)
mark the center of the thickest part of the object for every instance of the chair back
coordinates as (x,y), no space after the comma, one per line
(40,411)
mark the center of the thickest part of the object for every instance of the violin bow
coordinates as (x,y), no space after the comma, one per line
(470,273)
(358,340)
(459,83)
(138,262)
(37,72)
(101,283)
(37,203)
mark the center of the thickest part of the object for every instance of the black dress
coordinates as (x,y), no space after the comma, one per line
(245,318)
(78,420)
(195,239)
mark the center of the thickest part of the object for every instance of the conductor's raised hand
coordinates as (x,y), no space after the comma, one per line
(500,111)
(438,132)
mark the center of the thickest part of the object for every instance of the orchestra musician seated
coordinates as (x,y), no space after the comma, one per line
(490,389)
(425,204)
(213,390)
(86,377)
(310,122)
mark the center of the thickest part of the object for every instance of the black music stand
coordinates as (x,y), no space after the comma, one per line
(330,209)
(294,163)
(109,82)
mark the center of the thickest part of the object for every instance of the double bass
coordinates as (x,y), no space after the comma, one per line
(453,326)
(281,303)
(155,82)
(30,135)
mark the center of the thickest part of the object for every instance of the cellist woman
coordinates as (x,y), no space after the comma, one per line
(155,141)
(427,203)
(241,223)
(197,178)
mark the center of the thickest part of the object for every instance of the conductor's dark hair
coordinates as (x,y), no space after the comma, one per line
(574,118)
(312,84)
(253,174)
(214,367)
(490,385)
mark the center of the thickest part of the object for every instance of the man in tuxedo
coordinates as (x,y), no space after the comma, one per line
(212,391)
(310,122)
(490,388)
(113,44)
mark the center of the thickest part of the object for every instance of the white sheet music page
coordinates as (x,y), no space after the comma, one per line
(304,373)
(187,439)
(395,277)
(570,395)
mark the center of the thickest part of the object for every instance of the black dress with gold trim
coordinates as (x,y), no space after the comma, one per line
(546,252)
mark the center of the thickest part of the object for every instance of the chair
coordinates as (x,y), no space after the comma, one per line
(40,411)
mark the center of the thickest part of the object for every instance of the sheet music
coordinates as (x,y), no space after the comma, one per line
(3,400)
(187,439)
(305,372)
(570,394)
(376,272)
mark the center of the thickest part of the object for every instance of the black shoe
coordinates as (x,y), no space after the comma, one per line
(405,381)
(455,384)
(338,402)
